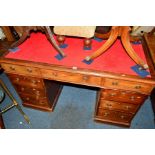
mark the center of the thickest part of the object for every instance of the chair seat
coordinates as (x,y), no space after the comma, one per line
(76,31)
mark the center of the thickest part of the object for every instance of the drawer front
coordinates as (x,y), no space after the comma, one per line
(114,116)
(30,90)
(118,106)
(128,85)
(35,100)
(123,96)
(26,81)
(72,77)
(9,68)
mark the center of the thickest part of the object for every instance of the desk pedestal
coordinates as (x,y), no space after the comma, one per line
(118,106)
(35,92)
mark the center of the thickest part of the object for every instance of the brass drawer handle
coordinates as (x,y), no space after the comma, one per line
(123,93)
(37,97)
(22,89)
(17,79)
(109,105)
(27,98)
(132,98)
(122,116)
(113,94)
(42,102)
(115,83)
(105,114)
(12,68)
(34,82)
(29,70)
(127,107)
(38,92)
(138,87)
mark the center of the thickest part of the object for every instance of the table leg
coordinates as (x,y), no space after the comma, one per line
(112,38)
(127,45)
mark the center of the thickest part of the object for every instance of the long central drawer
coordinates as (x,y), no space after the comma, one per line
(72,77)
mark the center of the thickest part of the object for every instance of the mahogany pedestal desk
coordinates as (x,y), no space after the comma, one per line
(38,77)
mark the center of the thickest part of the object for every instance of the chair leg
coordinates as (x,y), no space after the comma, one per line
(127,45)
(106,45)
(24,36)
(61,39)
(87,43)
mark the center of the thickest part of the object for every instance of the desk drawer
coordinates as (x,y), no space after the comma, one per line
(72,77)
(118,106)
(115,117)
(24,70)
(34,99)
(128,85)
(26,81)
(30,90)
(123,96)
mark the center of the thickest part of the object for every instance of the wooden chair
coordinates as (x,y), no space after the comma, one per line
(86,32)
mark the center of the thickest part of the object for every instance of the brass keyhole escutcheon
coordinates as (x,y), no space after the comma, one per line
(12,68)
(115,83)
(138,87)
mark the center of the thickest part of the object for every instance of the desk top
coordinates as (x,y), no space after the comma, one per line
(38,49)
